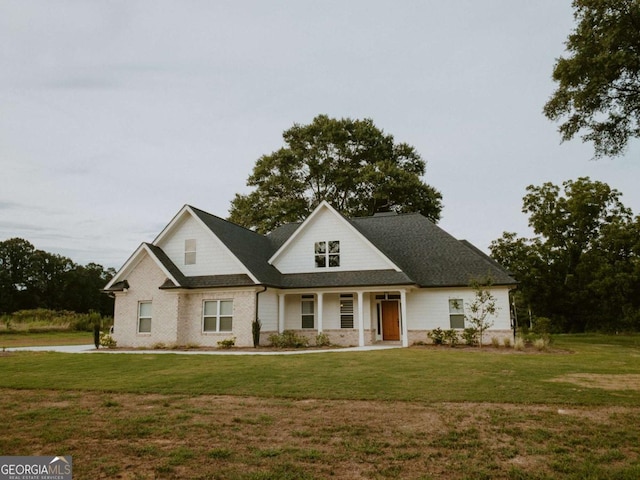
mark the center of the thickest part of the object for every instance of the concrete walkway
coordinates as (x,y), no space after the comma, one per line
(92,349)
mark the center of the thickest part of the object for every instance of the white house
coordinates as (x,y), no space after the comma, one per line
(389,277)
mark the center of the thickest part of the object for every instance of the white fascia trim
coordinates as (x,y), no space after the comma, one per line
(325,204)
(176,218)
(133,260)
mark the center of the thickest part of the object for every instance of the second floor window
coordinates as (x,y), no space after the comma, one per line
(190,252)
(327,254)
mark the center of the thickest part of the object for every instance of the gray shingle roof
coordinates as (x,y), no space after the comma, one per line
(427,255)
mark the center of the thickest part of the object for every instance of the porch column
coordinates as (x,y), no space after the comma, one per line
(360,319)
(320,302)
(281,312)
(403,315)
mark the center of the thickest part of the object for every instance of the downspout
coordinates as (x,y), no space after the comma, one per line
(258,292)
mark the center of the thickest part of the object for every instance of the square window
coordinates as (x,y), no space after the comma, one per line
(217,316)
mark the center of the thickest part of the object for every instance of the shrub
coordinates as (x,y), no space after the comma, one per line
(451,337)
(288,339)
(470,336)
(437,336)
(495,342)
(227,343)
(541,343)
(256,326)
(506,341)
(107,341)
(541,325)
(322,340)
(519,345)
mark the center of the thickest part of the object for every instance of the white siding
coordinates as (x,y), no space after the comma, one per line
(429,308)
(268,311)
(212,257)
(355,252)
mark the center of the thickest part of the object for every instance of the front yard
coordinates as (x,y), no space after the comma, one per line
(405,413)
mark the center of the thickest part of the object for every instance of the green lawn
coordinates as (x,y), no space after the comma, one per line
(414,374)
(64,337)
(417,413)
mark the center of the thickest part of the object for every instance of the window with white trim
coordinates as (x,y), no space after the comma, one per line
(190,251)
(456,313)
(307,307)
(327,254)
(346,311)
(217,316)
(144,317)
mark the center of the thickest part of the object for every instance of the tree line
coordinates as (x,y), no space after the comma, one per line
(581,270)
(32,278)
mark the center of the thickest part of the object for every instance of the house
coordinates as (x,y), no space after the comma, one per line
(388,277)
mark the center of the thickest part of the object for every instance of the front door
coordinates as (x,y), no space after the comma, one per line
(390,320)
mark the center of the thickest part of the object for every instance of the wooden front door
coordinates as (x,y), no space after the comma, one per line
(390,321)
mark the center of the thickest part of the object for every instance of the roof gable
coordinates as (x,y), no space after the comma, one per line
(325,224)
(214,255)
(156,254)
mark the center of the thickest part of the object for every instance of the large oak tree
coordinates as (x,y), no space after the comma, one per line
(352,164)
(598,94)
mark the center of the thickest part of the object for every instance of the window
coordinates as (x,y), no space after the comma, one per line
(327,254)
(217,316)
(307,308)
(144,317)
(346,311)
(456,313)
(190,252)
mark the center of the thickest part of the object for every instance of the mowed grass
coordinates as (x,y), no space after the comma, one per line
(10,339)
(415,374)
(417,413)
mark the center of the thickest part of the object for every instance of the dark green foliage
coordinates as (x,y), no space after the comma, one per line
(288,339)
(599,81)
(352,164)
(437,336)
(96,335)
(256,326)
(470,336)
(31,279)
(583,269)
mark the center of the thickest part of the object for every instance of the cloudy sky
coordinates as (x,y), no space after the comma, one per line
(114,114)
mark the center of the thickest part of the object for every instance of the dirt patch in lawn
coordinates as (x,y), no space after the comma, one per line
(135,436)
(604,381)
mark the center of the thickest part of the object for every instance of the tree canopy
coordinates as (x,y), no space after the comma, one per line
(582,269)
(352,164)
(31,278)
(598,90)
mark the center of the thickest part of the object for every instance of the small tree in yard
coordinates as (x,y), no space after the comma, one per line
(483,307)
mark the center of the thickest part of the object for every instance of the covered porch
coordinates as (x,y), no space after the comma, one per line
(349,316)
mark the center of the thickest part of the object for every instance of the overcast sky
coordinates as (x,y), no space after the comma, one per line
(114,114)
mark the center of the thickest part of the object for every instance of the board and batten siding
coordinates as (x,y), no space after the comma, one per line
(428,309)
(355,252)
(268,311)
(212,257)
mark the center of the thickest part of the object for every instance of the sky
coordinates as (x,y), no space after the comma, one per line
(114,114)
